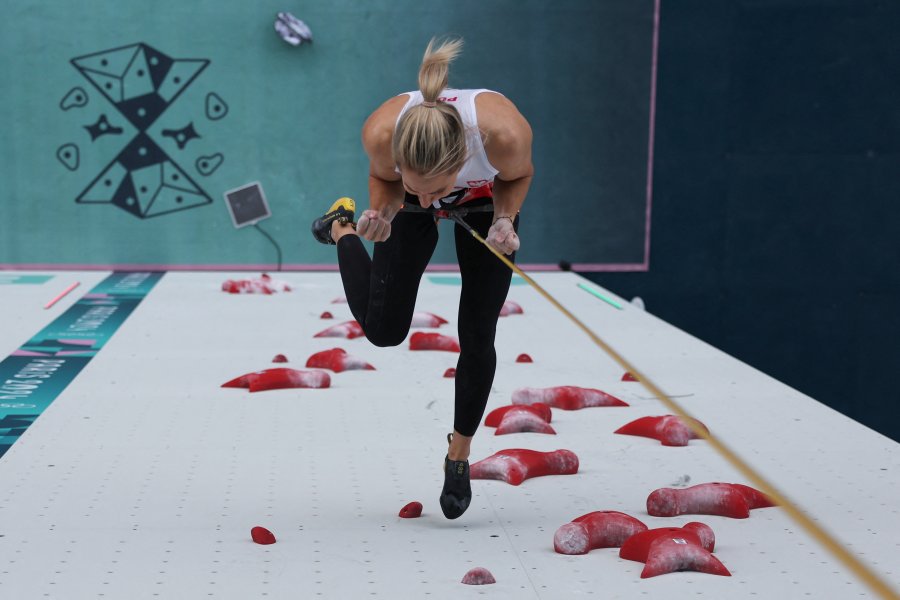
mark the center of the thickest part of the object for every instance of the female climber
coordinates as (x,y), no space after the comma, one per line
(437,148)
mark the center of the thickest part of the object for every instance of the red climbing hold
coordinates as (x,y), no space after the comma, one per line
(326,315)
(671,554)
(478,576)
(337,360)
(427,319)
(450,373)
(516,465)
(723,499)
(433,341)
(411,511)
(521,420)
(539,408)
(262,285)
(668,429)
(600,529)
(628,377)
(637,547)
(261,535)
(566,397)
(280,358)
(510,308)
(347,329)
(280,378)
(524,358)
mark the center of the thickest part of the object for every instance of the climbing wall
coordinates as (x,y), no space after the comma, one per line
(144,477)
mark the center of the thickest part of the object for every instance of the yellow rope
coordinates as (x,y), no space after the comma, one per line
(869,577)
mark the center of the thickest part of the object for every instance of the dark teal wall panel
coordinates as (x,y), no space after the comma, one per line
(776,217)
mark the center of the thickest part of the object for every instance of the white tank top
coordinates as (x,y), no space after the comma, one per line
(477,172)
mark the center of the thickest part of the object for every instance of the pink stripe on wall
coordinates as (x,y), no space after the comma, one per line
(586,267)
(651,134)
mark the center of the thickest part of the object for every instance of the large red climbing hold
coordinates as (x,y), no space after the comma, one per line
(668,429)
(516,465)
(637,547)
(478,576)
(337,360)
(521,420)
(347,329)
(539,408)
(280,358)
(723,499)
(524,358)
(427,319)
(600,529)
(280,378)
(510,308)
(412,510)
(263,536)
(566,397)
(433,341)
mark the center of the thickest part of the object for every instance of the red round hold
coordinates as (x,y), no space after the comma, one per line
(478,576)
(261,535)
(524,358)
(411,510)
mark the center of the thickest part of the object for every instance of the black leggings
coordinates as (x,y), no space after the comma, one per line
(381,293)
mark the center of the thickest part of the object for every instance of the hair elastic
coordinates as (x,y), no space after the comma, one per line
(429,104)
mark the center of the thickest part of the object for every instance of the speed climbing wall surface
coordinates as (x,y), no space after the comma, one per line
(143,477)
(131,119)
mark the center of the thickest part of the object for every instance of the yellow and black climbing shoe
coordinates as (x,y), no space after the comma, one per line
(343,210)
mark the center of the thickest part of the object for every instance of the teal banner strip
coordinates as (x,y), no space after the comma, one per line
(597,293)
(9,279)
(33,376)
(457,280)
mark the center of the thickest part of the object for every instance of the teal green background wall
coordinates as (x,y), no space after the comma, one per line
(578,70)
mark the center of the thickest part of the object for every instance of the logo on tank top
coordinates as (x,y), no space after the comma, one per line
(446,99)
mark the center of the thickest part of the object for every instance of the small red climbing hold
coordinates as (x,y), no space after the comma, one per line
(261,535)
(628,376)
(280,358)
(451,372)
(478,576)
(510,308)
(411,510)
(524,358)
(326,315)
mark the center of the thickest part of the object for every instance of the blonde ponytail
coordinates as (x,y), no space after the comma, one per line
(430,138)
(435,69)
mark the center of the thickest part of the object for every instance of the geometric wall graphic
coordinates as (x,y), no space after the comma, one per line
(141,83)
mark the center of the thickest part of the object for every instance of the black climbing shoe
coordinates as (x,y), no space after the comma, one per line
(457,492)
(343,210)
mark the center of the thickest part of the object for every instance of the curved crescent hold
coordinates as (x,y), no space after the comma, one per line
(600,529)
